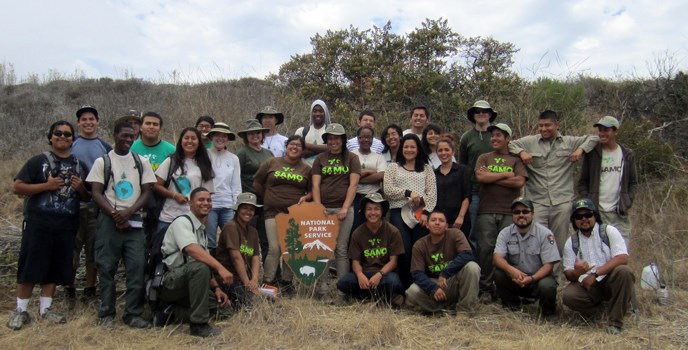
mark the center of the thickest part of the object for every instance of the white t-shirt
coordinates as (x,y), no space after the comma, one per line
(227,179)
(275,144)
(123,189)
(371,160)
(187,181)
(314,136)
(610,179)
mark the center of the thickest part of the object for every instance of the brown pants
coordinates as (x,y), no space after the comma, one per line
(616,287)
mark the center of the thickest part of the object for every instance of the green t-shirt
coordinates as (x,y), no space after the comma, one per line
(154,154)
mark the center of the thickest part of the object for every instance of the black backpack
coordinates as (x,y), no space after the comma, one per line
(155,268)
(52,168)
(575,240)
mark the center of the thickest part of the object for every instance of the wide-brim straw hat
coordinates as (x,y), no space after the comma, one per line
(222,128)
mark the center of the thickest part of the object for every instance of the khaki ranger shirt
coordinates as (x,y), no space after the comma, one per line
(179,235)
(550,175)
(530,252)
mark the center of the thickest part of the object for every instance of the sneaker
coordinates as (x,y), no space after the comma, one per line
(18,319)
(51,315)
(203,330)
(107,323)
(614,330)
(137,322)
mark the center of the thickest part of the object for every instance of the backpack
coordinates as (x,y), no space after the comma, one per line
(575,240)
(155,268)
(107,166)
(52,166)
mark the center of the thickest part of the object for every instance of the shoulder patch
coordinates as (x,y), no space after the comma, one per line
(550,238)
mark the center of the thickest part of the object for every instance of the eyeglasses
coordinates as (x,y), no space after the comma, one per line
(204,126)
(296,144)
(519,212)
(59,133)
(365,137)
(587,215)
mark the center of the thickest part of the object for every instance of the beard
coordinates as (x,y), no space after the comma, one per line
(522,225)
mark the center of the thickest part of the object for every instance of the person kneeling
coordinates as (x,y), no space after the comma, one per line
(524,258)
(374,249)
(444,272)
(238,249)
(189,283)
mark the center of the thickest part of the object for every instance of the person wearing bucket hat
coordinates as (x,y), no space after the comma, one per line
(374,250)
(596,264)
(312,133)
(270,117)
(420,116)
(335,176)
(133,118)
(501,177)
(609,177)
(524,259)
(472,144)
(549,158)
(227,181)
(238,249)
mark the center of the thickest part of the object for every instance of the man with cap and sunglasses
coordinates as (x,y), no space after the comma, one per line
(501,177)
(524,259)
(609,177)
(374,250)
(270,117)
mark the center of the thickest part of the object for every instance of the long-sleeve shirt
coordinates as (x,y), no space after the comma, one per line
(398,180)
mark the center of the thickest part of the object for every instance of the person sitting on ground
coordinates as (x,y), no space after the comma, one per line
(445,275)
(374,249)
(524,259)
(189,283)
(238,250)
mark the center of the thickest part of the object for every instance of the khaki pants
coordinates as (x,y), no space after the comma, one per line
(272,259)
(616,287)
(558,219)
(462,292)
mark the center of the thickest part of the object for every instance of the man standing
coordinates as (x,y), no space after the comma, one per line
(549,158)
(133,118)
(312,133)
(151,146)
(87,147)
(608,177)
(419,120)
(596,264)
(444,273)
(501,177)
(472,144)
(365,118)
(269,118)
(121,183)
(189,283)
(524,258)
(374,250)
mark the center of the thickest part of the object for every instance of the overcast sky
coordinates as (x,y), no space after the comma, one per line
(205,40)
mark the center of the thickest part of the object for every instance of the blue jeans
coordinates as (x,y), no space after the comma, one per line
(409,236)
(218,217)
(389,286)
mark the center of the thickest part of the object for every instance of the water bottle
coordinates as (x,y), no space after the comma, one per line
(650,277)
(662,295)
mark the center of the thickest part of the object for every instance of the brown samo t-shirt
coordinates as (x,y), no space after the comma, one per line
(433,258)
(494,198)
(373,250)
(335,176)
(284,184)
(234,237)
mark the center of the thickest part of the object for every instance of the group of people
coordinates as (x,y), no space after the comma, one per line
(416,227)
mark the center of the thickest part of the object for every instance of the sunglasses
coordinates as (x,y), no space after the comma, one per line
(587,215)
(519,212)
(480,110)
(59,133)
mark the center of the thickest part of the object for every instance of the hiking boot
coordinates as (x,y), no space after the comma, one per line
(107,323)
(203,330)
(88,295)
(18,319)
(51,315)
(162,317)
(137,322)
(614,330)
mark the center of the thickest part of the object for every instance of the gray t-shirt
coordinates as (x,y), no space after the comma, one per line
(530,252)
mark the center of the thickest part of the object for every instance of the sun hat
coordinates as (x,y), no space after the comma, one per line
(374,198)
(333,129)
(132,114)
(252,125)
(500,126)
(246,198)
(411,213)
(482,104)
(222,128)
(270,110)
(608,121)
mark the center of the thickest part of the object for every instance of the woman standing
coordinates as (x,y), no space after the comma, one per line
(410,178)
(335,176)
(204,124)
(431,134)
(227,181)
(183,171)
(54,184)
(373,168)
(289,181)
(453,186)
(391,139)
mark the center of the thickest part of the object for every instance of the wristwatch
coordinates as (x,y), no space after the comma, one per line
(593,271)
(382,274)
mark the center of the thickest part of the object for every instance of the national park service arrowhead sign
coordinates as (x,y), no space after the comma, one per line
(307,238)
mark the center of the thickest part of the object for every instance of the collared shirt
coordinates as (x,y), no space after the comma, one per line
(530,252)
(377,146)
(178,236)
(593,250)
(550,180)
